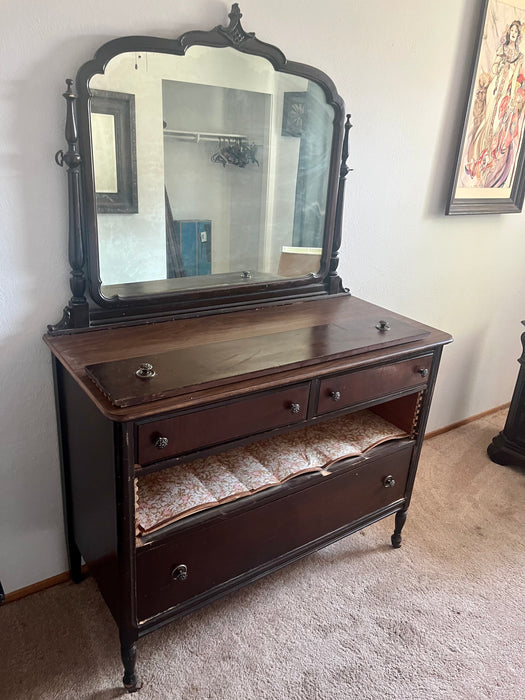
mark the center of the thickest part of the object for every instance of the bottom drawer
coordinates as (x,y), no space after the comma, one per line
(220,549)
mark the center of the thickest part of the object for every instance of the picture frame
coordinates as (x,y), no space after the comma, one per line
(294,114)
(489,177)
(114,152)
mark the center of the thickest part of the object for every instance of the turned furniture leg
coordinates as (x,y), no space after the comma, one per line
(128,653)
(401,517)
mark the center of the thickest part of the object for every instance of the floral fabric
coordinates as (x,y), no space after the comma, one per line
(171,494)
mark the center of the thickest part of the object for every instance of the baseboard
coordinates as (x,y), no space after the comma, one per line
(40,586)
(63,578)
(466,421)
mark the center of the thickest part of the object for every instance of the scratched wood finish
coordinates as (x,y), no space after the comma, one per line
(77,350)
(186,369)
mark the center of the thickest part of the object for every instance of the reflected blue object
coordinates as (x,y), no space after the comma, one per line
(195,241)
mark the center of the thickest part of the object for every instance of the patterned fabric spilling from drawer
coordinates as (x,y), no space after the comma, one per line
(171,494)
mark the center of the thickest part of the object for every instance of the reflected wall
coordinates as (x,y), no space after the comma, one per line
(221,137)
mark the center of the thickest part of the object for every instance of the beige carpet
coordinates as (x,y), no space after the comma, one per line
(442,617)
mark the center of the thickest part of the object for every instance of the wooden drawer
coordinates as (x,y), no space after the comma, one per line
(223,548)
(363,385)
(212,426)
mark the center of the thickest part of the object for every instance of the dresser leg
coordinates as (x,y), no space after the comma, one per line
(128,653)
(401,517)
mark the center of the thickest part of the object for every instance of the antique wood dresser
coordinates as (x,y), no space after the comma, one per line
(217,426)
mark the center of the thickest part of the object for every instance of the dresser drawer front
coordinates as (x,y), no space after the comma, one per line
(223,549)
(213,426)
(359,386)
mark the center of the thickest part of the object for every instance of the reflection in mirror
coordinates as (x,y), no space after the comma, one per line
(114,149)
(105,150)
(232,172)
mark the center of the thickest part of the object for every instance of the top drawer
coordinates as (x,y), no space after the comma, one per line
(194,430)
(363,385)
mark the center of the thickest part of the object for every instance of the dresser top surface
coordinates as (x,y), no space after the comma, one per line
(212,357)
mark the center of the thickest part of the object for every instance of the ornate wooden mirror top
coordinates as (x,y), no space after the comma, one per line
(209,170)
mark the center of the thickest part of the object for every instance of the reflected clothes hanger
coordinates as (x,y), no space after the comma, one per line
(235,152)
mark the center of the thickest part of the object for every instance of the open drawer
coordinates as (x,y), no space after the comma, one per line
(256,534)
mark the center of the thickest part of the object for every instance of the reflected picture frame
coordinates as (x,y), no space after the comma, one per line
(294,114)
(115,152)
(489,176)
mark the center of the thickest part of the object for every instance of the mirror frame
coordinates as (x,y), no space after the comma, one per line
(88,307)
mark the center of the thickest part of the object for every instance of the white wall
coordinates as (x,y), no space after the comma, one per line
(402,69)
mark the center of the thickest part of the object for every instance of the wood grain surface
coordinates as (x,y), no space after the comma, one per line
(79,350)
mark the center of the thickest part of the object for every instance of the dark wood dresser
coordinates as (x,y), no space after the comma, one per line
(148,581)
(167,370)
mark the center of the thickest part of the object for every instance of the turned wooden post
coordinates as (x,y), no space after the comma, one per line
(76,314)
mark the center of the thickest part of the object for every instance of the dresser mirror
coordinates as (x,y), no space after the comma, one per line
(232,194)
(208,170)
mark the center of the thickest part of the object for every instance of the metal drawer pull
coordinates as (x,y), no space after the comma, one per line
(335,395)
(423,371)
(389,481)
(161,442)
(295,408)
(180,573)
(383,326)
(145,371)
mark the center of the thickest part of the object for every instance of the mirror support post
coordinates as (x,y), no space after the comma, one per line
(76,314)
(335,282)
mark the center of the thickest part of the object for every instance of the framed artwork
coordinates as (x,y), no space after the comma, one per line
(294,113)
(490,169)
(114,152)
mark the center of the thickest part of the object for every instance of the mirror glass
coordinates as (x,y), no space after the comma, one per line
(226,161)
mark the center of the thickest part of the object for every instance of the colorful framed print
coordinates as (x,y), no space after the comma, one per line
(490,169)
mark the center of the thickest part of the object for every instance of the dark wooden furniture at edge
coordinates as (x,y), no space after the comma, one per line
(232,365)
(508,447)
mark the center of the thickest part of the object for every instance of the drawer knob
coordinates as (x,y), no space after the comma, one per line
(389,481)
(161,442)
(145,371)
(335,395)
(423,371)
(383,326)
(180,573)
(295,408)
